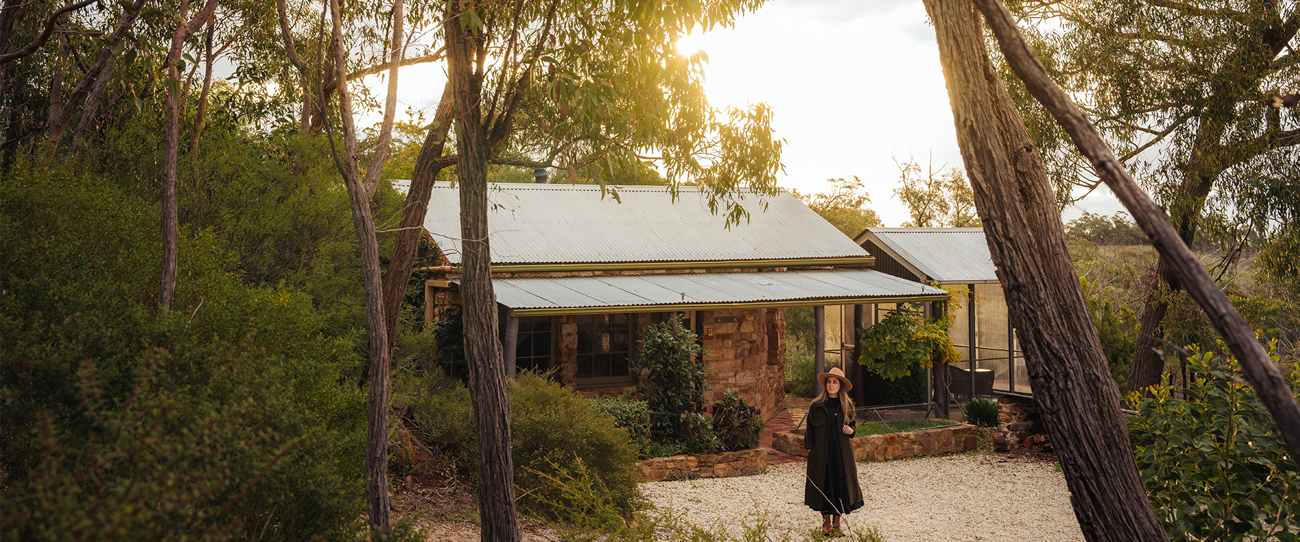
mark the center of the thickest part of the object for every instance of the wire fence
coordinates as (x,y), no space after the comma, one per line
(875,420)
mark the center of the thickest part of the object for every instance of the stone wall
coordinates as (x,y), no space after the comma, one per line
(742,355)
(941,440)
(1018,419)
(723,465)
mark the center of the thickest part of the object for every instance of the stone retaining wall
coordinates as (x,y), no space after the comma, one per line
(1019,419)
(941,440)
(723,465)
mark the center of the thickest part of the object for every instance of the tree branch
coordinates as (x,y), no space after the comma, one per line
(379,68)
(1272,389)
(45,34)
(1199,11)
(1159,136)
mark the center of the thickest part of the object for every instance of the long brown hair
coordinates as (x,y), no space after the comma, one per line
(846,404)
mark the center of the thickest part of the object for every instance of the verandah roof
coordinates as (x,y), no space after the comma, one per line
(705,291)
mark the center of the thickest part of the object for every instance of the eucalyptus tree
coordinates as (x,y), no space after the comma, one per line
(844,206)
(1078,400)
(935,199)
(1188,93)
(360,190)
(570,84)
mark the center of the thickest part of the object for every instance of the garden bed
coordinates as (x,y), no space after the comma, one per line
(720,465)
(938,440)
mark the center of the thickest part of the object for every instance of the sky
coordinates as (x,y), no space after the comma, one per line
(852,84)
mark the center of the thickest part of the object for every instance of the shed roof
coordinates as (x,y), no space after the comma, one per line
(698,291)
(566,224)
(943,255)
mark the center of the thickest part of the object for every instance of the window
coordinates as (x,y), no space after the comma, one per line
(604,343)
(533,350)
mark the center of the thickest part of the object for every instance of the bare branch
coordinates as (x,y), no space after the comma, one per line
(45,34)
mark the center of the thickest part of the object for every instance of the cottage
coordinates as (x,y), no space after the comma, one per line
(981,330)
(576,272)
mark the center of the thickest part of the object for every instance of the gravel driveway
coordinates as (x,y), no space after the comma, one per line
(954,497)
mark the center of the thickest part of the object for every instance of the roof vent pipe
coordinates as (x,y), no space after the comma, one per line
(539,175)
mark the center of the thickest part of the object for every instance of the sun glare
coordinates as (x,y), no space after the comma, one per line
(689,44)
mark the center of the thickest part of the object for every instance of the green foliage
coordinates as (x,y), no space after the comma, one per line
(1117,330)
(551,427)
(449,333)
(573,494)
(936,199)
(1213,462)
(800,374)
(844,206)
(1099,229)
(738,425)
(904,339)
(94,487)
(259,412)
(445,422)
(697,435)
(981,412)
(676,379)
(799,328)
(630,414)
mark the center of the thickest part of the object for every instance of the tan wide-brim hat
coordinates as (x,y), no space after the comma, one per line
(845,384)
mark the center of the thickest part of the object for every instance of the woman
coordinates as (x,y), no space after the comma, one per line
(832,483)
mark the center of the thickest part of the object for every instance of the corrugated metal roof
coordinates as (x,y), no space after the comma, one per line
(946,255)
(533,294)
(546,223)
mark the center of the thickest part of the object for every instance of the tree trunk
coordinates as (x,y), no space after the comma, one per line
(171,150)
(202,111)
(1148,355)
(496,495)
(376,462)
(90,113)
(427,167)
(1078,400)
(56,86)
(129,15)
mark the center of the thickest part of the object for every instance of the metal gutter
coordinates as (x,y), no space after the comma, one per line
(721,306)
(862,261)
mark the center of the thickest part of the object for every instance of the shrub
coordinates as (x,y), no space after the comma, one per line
(904,340)
(698,436)
(800,373)
(255,369)
(552,425)
(551,429)
(628,413)
(1213,463)
(738,425)
(676,383)
(445,422)
(981,412)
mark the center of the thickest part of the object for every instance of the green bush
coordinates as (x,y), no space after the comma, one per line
(800,374)
(697,435)
(260,413)
(550,426)
(1213,463)
(981,412)
(738,425)
(677,380)
(904,340)
(630,414)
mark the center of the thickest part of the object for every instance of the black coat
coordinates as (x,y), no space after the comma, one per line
(818,437)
